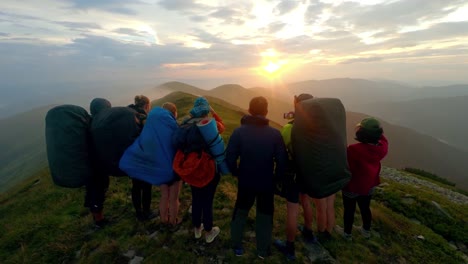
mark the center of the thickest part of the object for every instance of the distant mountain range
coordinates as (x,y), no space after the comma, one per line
(354,92)
(408,148)
(442,118)
(23,146)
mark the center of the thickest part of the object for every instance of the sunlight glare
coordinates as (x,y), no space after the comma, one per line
(271,67)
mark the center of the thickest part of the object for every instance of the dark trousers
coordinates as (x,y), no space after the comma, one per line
(96,188)
(263,222)
(202,204)
(141,196)
(349,205)
(246,198)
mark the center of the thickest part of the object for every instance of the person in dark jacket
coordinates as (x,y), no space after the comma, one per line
(98,183)
(364,163)
(141,190)
(263,158)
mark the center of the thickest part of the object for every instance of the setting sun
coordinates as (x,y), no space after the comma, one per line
(271,67)
(271,64)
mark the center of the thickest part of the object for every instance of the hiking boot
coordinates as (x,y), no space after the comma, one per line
(323,236)
(198,231)
(365,233)
(340,231)
(211,235)
(308,235)
(239,252)
(287,248)
(149,215)
(101,223)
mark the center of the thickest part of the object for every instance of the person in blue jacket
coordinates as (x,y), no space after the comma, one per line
(149,159)
(263,159)
(169,201)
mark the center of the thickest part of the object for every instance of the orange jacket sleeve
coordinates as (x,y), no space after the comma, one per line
(219,123)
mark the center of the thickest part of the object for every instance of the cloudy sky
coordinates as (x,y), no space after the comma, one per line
(245,42)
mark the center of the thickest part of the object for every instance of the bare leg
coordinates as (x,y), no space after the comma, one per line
(164,203)
(291,221)
(174,203)
(320,204)
(307,208)
(330,204)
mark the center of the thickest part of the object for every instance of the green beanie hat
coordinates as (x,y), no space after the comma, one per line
(370,125)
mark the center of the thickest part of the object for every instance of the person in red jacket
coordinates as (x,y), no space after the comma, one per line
(364,163)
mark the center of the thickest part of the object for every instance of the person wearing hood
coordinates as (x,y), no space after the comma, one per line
(97,185)
(202,197)
(364,163)
(263,159)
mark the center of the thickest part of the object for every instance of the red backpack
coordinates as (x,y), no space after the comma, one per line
(192,161)
(196,169)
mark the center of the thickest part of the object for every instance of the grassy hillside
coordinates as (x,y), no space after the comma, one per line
(43,223)
(22,143)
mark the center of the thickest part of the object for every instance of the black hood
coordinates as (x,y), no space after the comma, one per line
(99,104)
(254,120)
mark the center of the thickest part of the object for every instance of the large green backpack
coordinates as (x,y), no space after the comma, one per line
(318,140)
(112,131)
(67,140)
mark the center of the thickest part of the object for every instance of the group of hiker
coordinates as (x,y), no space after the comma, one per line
(307,160)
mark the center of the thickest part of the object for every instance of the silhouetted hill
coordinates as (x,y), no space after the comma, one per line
(352,91)
(441,118)
(182,87)
(236,95)
(439,91)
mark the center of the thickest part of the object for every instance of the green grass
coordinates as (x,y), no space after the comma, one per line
(429,176)
(43,223)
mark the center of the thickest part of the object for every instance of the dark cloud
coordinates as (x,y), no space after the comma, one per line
(4,34)
(394,15)
(131,32)
(180,5)
(112,6)
(230,15)
(438,32)
(199,18)
(78,25)
(434,35)
(285,7)
(15,17)
(207,37)
(366,59)
(314,11)
(275,27)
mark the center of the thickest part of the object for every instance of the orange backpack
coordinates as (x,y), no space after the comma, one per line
(195,168)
